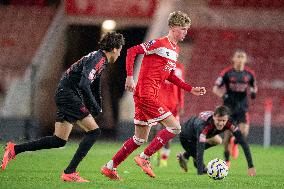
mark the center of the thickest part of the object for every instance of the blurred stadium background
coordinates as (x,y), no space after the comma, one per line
(39,39)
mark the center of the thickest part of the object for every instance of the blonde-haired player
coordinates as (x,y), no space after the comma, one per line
(158,65)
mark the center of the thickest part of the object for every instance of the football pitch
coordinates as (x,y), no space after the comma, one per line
(42,169)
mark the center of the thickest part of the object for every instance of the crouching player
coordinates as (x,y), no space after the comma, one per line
(201,132)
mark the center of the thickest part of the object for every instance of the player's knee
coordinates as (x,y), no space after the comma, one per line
(138,141)
(218,141)
(93,135)
(175,130)
(58,142)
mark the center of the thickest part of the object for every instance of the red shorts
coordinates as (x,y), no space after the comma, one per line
(149,111)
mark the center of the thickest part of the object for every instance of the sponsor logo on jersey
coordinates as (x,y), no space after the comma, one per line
(238,87)
(170,66)
(233,79)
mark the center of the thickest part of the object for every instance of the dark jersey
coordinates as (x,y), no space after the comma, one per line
(202,127)
(236,84)
(198,129)
(82,73)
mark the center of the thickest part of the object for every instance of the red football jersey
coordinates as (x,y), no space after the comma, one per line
(159,60)
(171,95)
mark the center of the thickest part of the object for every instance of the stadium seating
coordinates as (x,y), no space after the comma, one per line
(212,49)
(21,31)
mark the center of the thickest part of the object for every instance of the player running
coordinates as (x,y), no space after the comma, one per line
(75,104)
(201,132)
(173,97)
(237,79)
(158,65)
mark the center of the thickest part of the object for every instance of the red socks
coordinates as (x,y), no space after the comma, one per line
(127,148)
(133,143)
(158,142)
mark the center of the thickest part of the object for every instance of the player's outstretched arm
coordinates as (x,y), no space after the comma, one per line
(181,84)
(198,91)
(246,149)
(199,154)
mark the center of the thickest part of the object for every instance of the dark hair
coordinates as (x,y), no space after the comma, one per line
(111,40)
(222,111)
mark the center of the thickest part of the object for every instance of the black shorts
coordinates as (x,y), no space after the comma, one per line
(240,117)
(189,146)
(70,106)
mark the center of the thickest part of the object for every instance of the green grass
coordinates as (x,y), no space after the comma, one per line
(42,169)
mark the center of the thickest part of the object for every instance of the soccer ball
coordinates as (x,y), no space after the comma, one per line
(217,169)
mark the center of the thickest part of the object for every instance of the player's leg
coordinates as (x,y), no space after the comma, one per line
(183,157)
(92,132)
(165,153)
(164,136)
(244,124)
(242,120)
(226,142)
(172,128)
(244,128)
(59,139)
(213,141)
(89,125)
(140,136)
(157,156)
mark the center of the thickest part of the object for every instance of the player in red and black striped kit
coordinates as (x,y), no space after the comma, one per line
(237,79)
(201,132)
(76,103)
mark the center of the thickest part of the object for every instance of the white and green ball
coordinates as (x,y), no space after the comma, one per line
(217,169)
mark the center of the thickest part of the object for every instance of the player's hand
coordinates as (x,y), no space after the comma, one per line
(251,172)
(129,84)
(198,91)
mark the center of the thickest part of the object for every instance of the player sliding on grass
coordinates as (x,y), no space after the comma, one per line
(201,132)
(75,104)
(236,79)
(158,65)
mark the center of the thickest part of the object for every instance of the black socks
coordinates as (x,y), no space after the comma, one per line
(227,155)
(207,145)
(42,143)
(84,147)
